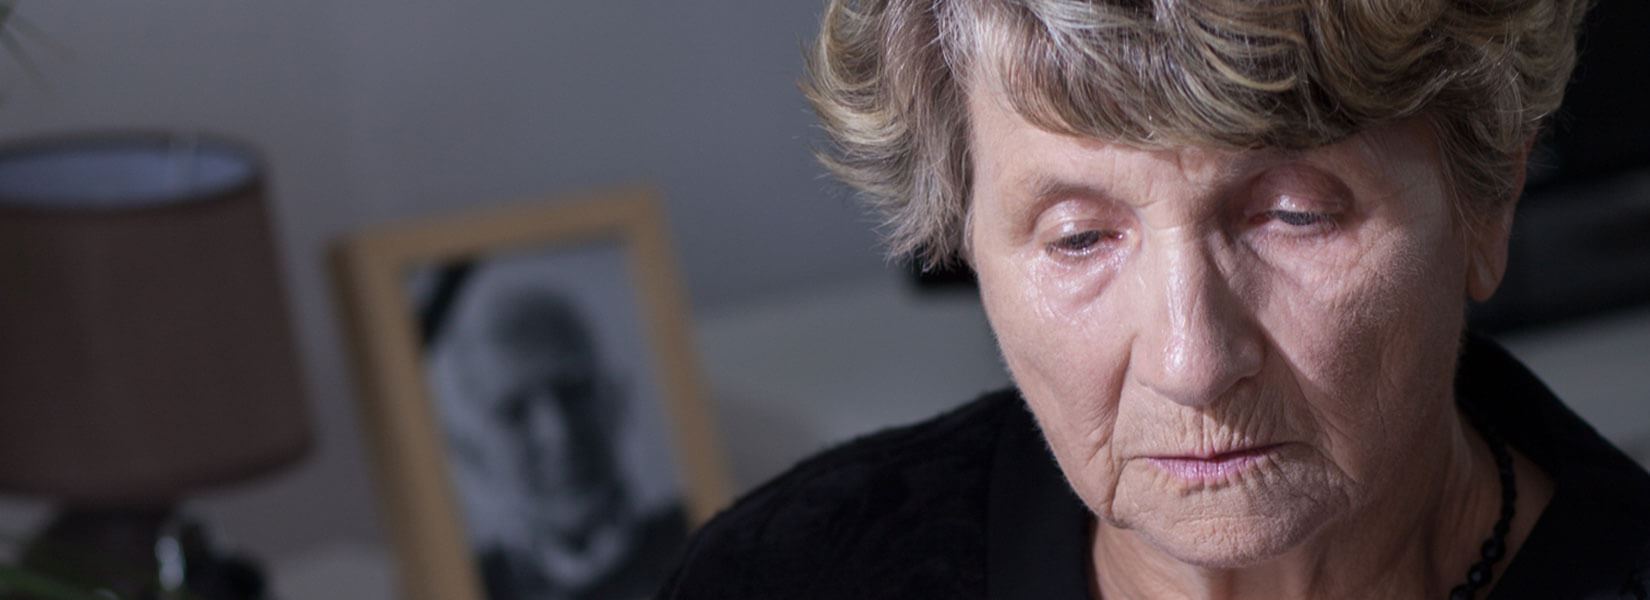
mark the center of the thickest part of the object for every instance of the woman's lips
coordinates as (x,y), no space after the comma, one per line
(1215,467)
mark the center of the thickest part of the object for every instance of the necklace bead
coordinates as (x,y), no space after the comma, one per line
(1494,547)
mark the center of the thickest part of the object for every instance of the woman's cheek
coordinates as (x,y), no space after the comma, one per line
(1049,325)
(1340,320)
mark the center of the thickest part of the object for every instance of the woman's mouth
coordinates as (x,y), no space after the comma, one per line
(1214,467)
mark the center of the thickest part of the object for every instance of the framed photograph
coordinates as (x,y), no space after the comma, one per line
(531,398)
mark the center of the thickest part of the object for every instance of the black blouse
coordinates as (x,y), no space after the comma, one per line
(971,504)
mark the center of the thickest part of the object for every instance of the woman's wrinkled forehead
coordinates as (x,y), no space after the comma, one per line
(1013,155)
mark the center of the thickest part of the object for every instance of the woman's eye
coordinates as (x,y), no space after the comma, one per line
(1299,219)
(1297,222)
(1082,243)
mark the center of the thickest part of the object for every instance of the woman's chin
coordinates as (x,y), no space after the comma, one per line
(1239,521)
(1227,543)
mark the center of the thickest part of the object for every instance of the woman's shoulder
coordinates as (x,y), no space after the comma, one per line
(892,514)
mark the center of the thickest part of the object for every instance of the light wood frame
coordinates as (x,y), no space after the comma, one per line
(408,450)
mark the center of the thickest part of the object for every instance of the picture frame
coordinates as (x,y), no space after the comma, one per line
(516,366)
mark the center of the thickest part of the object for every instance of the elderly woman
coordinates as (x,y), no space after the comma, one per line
(1225,247)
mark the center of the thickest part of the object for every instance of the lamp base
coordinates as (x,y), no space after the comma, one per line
(148,552)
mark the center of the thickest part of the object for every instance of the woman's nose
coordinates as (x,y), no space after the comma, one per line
(544,426)
(1197,340)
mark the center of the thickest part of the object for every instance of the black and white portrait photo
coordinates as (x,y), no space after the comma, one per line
(558,446)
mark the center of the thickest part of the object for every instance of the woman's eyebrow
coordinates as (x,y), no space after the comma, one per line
(1250,162)
(1044,188)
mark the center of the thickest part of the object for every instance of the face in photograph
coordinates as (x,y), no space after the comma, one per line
(527,356)
(556,407)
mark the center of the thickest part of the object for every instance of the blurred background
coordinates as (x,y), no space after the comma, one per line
(374,111)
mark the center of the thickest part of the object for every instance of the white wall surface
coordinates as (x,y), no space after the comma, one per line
(794,374)
(1600,367)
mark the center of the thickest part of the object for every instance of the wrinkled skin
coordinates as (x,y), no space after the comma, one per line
(1159,305)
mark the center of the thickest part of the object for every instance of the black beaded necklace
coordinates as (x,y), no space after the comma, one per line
(1495,546)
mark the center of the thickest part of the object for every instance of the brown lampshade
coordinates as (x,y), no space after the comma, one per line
(145,351)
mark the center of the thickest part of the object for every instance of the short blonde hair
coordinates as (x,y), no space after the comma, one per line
(888,80)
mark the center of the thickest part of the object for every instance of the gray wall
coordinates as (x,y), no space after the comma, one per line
(376,110)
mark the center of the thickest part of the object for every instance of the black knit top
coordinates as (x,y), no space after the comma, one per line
(970,504)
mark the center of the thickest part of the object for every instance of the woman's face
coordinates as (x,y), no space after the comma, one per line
(1228,352)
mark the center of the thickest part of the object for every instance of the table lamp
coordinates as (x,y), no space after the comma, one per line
(145,353)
